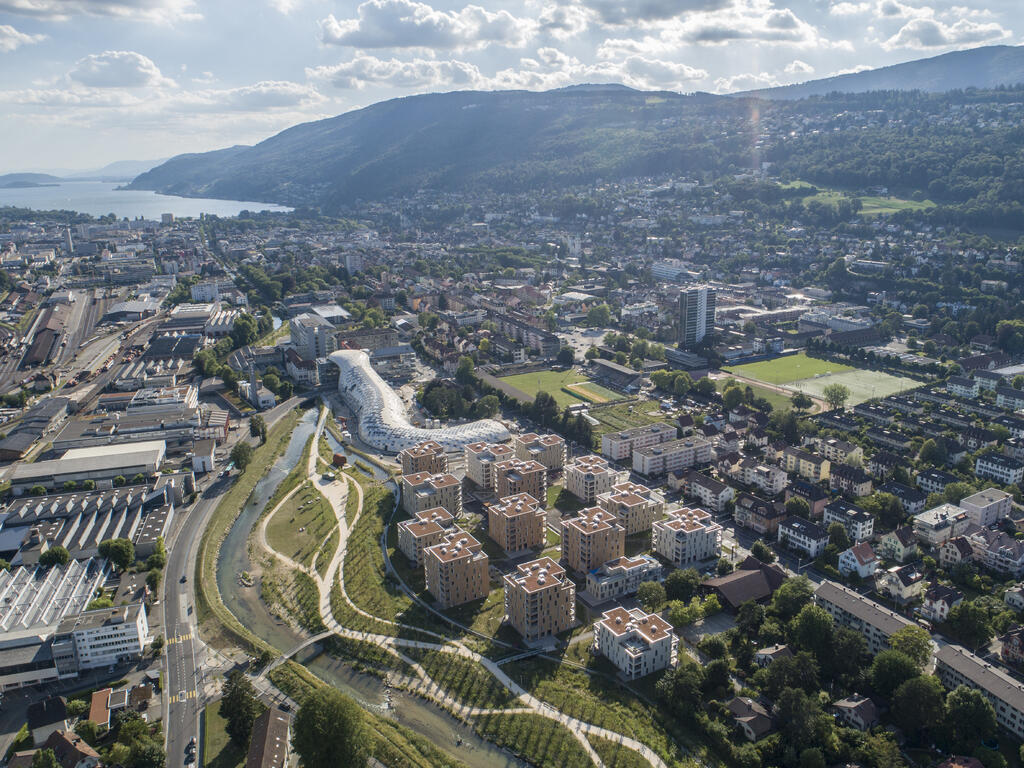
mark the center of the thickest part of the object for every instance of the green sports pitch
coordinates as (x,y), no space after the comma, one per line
(783,370)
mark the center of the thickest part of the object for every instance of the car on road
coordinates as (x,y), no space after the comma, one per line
(181,695)
(183,578)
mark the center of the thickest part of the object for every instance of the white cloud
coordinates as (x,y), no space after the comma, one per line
(850,70)
(631,12)
(11,39)
(549,68)
(564,21)
(849,9)
(118,69)
(746,82)
(893,9)
(285,6)
(797,67)
(163,11)
(929,33)
(264,95)
(411,24)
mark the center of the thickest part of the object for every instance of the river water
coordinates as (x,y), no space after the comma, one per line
(98,198)
(244,602)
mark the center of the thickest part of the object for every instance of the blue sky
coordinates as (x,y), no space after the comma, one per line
(88,82)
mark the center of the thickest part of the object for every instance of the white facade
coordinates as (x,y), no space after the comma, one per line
(988,507)
(383,421)
(637,643)
(107,636)
(687,536)
(622,576)
(586,477)
(1003,469)
(672,456)
(620,445)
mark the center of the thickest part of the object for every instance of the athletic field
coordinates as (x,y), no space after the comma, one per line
(567,387)
(783,370)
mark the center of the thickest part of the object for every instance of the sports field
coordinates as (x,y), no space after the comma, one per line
(567,387)
(783,370)
(800,373)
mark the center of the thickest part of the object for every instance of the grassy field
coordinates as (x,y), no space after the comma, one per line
(218,750)
(299,528)
(783,370)
(863,384)
(626,415)
(555,384)
(779,401)
(871,205)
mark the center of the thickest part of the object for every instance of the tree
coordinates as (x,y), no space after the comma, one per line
(565,356)
(37,490)
(717,677)
(240,707)
(241,454)
(45,758)
(934,452)
(812,631)
(121,552)
(798,507)
(120,481)
(890,670)
(89,731)
(732,397)
(970,718)
(762,552)
(790,597)
(749,618)
(153,580)
(600,315)
(705,386)
(682,584)
(801,402)
(591,353)
(57,555)
(680,688)
(797,671)
(258,427)
(330,730)
(285,390)
(77,707)
(465,371)
(919,703)
(487,406)
(158,559)
(915,642)
(812,757)
(836,395)
(724,567)
(651,595)
(801,720)
(969,623)
(838,537)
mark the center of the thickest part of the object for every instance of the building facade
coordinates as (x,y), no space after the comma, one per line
(540,600)
(456,569)
(591,539)
(637,643)
(686,537)
(516,523)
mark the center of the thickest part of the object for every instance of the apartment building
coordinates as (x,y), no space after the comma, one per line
(852,481)
(854,611)
(480,460)
(710,493)
(548,450)
(423,490)
(935,526)
(516,523)
(988,507)
(586,477)
(956,666)
(637,643)
(768,479)
(591,539)
(859,524)
(997,551)
(455,569)
(815,496)
(686,537)
(902,583)
(797,533)
(516,476)
(899,545)
(424,530)
(540,600)
(672,456)
(635,505)
(807,465)
(622,576)
(619,446)
(840,451)
(428,456)
(312,336)
(859,559)
(758,515)
(1003,469)
(101,638)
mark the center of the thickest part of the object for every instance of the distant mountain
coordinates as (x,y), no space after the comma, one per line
(22,180)
(120,170)
(986,67)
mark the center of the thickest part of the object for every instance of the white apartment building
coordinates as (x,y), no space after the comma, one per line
(480,461)
(672,456)
(988,507)
(854,611)
(621,576)
(956,666)
(687,536)
(103,637)
(1003,469)
(618,446)
(797,533)
(771,480)
(637,643)
(934,527)
(312,336)
(586,477)
(859,524)
(636,506)
(548,450)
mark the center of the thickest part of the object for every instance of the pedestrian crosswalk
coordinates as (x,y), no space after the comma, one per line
(179,639)
(177,697)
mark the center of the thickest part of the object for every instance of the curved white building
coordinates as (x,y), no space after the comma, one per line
(383,422)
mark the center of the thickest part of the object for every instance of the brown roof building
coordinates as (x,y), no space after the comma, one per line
(752,580)
(516,523)
(540,599)
(636,506)
(425,529)
(591,539)
(423,490)
(268,746)
(455,569)
(549,450)
(428,456)
(516,476)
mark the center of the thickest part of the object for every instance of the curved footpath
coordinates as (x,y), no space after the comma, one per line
(336,494)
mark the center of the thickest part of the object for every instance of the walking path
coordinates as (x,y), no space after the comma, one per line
(423,685)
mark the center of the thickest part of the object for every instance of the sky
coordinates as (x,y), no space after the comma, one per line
(87,82)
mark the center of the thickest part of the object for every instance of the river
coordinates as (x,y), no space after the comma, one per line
(416,714)
(99,198)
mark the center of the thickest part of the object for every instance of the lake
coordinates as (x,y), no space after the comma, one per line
(101,197)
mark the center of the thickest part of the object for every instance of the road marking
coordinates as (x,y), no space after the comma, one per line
(176,699)
(179,638)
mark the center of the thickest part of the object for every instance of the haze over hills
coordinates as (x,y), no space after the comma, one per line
(21,180)
(513,141)
(986,67)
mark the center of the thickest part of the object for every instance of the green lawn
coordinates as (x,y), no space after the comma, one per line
(299,528)
(783,370)
(626,415)
(871,205)
(779,401)
(863,384)
(553,382)
(218,749)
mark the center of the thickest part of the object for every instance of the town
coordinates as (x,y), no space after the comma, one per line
(643,475)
